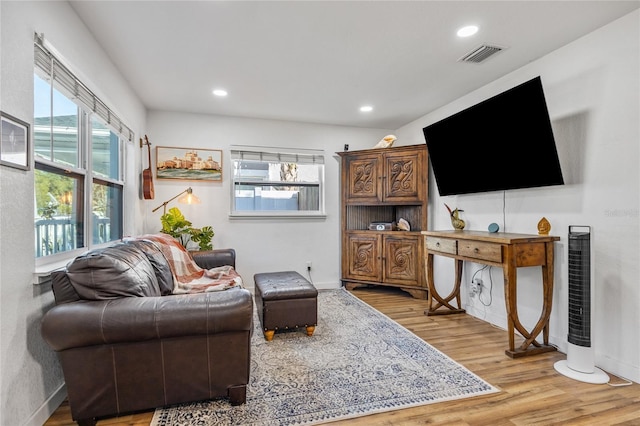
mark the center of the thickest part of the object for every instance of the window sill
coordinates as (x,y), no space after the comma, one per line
(42,273)
(266,215)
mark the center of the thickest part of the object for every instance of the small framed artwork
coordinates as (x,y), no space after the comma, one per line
(14,142)
(189,163)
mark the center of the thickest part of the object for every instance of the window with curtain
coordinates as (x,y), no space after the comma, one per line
(268,182)
(79,153)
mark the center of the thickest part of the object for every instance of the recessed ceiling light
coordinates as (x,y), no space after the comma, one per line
(366,108)
(220,92)
(467,31)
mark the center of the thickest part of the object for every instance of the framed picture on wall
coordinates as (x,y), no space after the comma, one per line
(189,163)
(14,142)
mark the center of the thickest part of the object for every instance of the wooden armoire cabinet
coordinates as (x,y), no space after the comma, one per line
(382,186)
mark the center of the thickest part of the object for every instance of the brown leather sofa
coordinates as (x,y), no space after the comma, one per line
(127,344)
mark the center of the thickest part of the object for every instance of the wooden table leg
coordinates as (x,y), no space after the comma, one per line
(513,320)
(510,297)
(432,309)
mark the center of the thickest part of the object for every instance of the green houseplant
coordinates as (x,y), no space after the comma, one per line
(175,224)
(203,237)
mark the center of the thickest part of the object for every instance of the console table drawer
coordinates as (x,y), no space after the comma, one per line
(444,245)
(484,251)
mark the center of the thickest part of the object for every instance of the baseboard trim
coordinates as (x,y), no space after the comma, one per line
(48,407)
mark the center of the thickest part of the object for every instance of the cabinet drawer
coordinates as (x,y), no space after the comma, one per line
(444,245)
(484,251)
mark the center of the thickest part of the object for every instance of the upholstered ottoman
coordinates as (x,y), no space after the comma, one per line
(285,300)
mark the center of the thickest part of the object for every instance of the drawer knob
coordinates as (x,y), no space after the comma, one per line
(475,250)
(437,244)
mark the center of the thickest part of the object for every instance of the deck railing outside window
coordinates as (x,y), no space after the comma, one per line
(56,235)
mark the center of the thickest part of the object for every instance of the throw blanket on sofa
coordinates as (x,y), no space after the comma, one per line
(188,277)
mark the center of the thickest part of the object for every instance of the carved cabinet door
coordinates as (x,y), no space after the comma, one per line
(364,256)
(402,259)
(403,176)
(363,179)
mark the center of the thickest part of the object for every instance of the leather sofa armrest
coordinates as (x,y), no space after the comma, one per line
(134,319)
(213,258)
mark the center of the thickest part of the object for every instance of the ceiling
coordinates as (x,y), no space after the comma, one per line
(320,61)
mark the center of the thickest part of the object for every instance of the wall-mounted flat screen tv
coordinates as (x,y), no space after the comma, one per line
(504,142)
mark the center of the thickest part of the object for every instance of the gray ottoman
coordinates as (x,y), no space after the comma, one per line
(285,300)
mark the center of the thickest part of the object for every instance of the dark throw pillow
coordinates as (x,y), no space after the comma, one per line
(120,270)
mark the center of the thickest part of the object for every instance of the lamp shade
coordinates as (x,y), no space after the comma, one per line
(189,198)
(186,197)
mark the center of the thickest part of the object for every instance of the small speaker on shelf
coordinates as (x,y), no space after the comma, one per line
(382,226)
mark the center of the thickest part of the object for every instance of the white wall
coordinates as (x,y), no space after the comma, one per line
(261,245)
(592,90)
(31,378)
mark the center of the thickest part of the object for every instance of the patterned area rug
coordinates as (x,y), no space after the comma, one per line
(357,362)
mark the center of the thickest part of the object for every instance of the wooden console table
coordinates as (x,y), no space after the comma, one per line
(508,251)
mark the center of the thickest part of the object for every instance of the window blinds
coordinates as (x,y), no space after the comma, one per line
(55,71)
(277,155)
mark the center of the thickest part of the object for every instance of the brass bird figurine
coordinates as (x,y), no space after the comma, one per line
(458,224)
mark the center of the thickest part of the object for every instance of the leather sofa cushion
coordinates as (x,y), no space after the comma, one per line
(116,271)
(209,259)
(63,291)
(159,264)
(136,319)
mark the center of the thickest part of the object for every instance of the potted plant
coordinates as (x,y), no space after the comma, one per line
(203,237)
(175,224)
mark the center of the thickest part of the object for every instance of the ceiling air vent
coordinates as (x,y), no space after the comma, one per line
(479,54)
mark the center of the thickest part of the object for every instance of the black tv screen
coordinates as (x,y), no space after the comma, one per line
(504,142)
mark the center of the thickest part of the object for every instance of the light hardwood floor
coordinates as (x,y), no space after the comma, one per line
(531,391)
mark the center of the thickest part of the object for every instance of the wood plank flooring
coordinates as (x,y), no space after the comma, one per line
(531,391)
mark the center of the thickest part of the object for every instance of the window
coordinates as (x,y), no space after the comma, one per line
(277,182)
(79,152)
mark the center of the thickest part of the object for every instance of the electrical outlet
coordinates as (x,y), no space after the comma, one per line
(476,287)
(308,265)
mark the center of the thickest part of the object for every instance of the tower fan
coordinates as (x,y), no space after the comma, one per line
(580,364)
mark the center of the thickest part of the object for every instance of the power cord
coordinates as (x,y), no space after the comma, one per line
(504,206)
(627,382)
(490,289)
(473,277)
(478,271)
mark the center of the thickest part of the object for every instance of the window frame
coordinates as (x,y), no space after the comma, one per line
(85,152)
(236,152)
(80,174)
